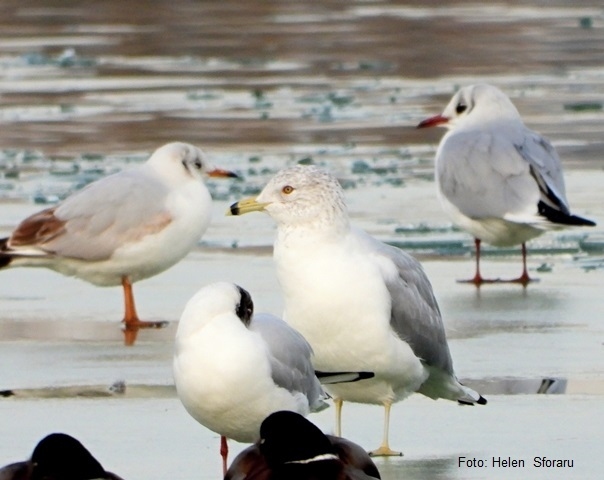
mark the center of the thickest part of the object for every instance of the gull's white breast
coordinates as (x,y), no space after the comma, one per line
(336,297)
(223,378)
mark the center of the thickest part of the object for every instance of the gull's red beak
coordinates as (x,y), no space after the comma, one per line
(433,121)
(217,172)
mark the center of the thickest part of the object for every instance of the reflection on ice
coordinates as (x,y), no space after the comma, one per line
(121,388)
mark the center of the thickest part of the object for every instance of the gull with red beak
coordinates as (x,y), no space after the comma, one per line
(122,228)
(497,179)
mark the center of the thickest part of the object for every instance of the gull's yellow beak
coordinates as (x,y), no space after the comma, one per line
(246,205)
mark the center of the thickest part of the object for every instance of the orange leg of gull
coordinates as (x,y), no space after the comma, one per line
(478,279)
(131,321)
(384,449)
(524,279)
(224,453)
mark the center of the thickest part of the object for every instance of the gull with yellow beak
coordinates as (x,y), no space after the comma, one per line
(362,305)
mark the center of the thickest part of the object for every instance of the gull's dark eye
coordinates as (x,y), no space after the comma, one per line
(460,108)
(197,164)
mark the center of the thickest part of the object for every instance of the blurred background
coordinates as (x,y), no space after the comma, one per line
(272,81)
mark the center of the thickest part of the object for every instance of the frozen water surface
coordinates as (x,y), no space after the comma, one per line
(260,85)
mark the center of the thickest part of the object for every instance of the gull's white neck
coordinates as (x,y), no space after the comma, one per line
(319,230)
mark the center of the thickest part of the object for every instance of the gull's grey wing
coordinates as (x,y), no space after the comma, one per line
(540,154)
(415,316)
(416,319)
(93,222)
(484,175)
(290,357)
(546,169)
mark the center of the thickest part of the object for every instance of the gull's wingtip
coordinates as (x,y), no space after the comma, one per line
(480,401)
(327,378)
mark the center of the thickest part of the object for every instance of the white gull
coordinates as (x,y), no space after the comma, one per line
(497,179)
(122,228)
(362,305)
(233,368)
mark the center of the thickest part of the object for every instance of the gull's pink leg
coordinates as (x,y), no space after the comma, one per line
(478,279)
(523,279)
(224,453)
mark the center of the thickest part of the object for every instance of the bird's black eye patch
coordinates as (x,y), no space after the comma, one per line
(245,307)
(461,107)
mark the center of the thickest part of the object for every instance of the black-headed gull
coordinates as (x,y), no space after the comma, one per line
(233,368)
(496,178)
(58,456)
(291,447)
(362,305)
(122,228)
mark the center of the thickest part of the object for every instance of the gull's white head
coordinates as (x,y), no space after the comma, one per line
(473,107)
(179,162)
(212,302)
(300,196)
